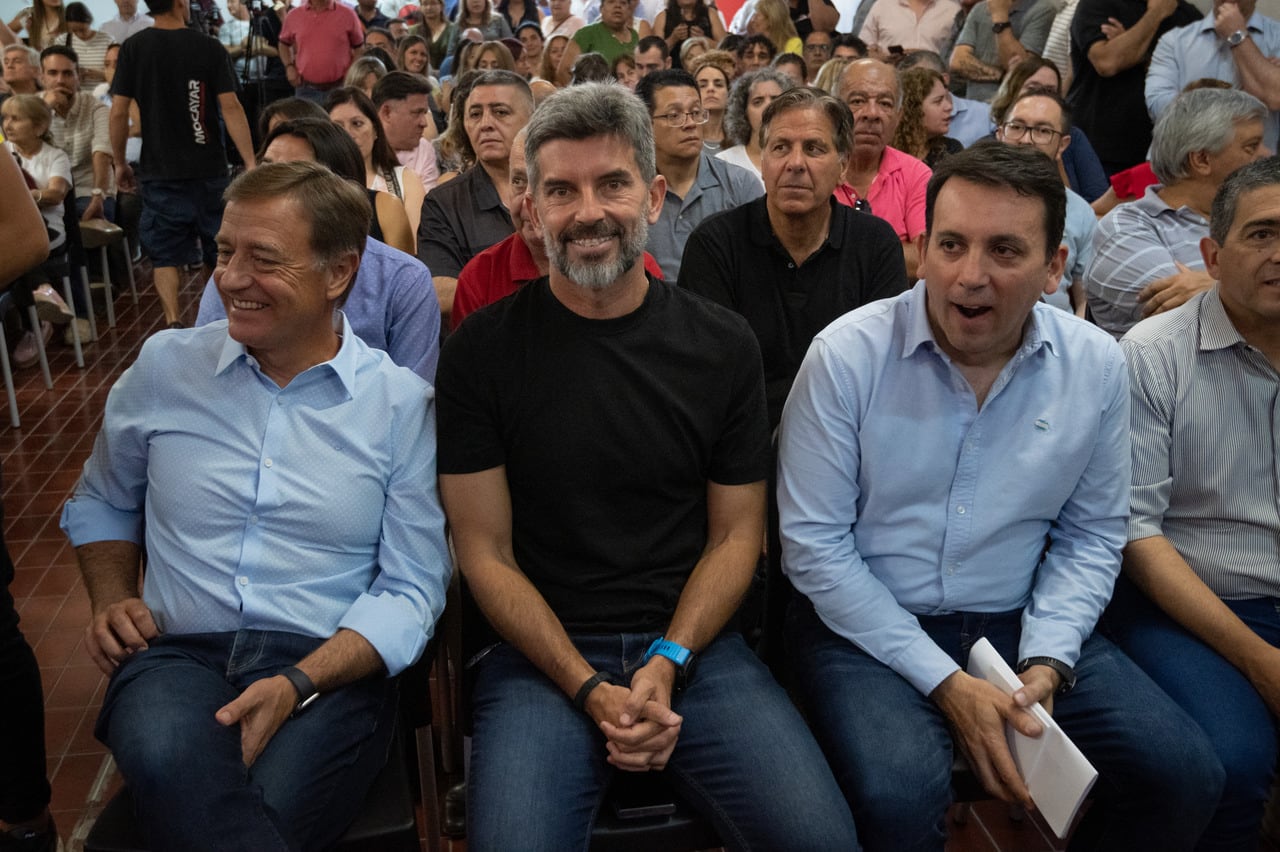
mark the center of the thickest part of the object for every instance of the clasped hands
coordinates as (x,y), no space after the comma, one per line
(639,725)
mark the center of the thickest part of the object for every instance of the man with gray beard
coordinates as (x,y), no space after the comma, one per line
(604,450)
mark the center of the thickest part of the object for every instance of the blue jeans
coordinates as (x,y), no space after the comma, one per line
(189,783)
(891,747)
(1215,694)
(744,759)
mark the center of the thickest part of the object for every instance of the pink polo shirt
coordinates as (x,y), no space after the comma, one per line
(322,40)
(897,192)
(422,162)
(893,22)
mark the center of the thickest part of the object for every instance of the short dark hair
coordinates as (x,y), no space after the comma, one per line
(922,59)
(760,39)
(380,31)
(288,109)
(831,36)
(792,59)
(502,77)
(159,7)
(808,97)
(398,85)
(1256,175)
(331,144)
(1053,96)
(650,42)
(850,40)
(60,50)
(1026,170)
(590,67)
(78,13)
(667,78)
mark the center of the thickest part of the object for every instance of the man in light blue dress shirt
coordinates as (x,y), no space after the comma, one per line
(954,464)
(281,475)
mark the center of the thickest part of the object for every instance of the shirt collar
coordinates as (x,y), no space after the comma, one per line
(1154,206)
(343,364)
(1215,327)
(1253,25)
(1035,333)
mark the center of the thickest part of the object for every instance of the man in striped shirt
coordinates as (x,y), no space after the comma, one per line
(1204,533)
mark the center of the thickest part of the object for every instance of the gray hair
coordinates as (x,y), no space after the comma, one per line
(737,128)
(586,111)
(1199,120)
(33,55)
(1256,175)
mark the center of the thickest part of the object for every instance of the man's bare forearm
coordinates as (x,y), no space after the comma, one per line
(344,658)
(111,570)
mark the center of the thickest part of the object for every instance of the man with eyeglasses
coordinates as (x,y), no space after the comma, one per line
(817,50)
(879,179)
(697,185)
(1042,120)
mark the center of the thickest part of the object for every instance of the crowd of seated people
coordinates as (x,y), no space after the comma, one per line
(912,191)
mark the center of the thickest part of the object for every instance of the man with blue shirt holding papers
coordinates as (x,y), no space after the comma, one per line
(954,464)
(281,475)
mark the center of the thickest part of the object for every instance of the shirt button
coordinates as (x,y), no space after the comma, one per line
(267,462)
(244,581)
(253,519)
(959,510)
(790,265)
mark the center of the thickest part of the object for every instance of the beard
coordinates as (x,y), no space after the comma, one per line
(598,274)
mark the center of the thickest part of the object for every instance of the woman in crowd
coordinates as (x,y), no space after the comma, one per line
(44,21)
(752,92)
(414,55)
(772,18)
(437,30)
(1080,163)
(561,21)
(364,74)
(828,76)
(551,55)
(532,42)
(517,12)
(480,14)
(692,49)
(89,44)
(625,71)
(926,117)
(454,153)
(352,111)
(686,19)
(287,109)
(323,142)
(713,71)
(494,55)
(25,120)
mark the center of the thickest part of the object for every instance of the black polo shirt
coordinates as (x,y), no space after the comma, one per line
(734,259)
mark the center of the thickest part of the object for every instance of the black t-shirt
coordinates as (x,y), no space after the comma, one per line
(176,77)
(1112,111)
(610,431)
(735,260)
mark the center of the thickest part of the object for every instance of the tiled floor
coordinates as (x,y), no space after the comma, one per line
(41,462)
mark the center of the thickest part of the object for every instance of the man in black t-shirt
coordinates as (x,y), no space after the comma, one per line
(1106,94)
(603,451)
(180,79)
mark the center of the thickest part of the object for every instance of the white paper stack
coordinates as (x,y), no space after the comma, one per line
(1057,775)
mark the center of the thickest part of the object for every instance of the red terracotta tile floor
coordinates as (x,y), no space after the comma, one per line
(41,462)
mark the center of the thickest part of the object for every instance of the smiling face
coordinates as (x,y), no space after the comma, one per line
(936,110)
(870,90)
(799,162)
(1247,264)
(713,86)
(416,58)
(358,127)
(279,302)
(985,265)
(493,116)
(594,208)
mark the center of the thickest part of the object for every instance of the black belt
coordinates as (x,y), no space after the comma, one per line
(321,87)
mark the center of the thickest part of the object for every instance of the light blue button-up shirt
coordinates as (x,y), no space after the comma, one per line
(306,509)
(1195,51)
(899,497)
(391,305)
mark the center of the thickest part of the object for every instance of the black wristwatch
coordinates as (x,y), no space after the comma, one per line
(1000,27)
(302,684)
(1064,671)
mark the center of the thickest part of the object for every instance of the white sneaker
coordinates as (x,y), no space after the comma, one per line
(50,307)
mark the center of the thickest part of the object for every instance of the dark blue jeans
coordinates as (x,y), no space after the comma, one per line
(744,758)
(891,747)
(189,783)
(1217,696)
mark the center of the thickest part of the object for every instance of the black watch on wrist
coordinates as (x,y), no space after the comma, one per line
(1064,671)
(303,685)
(1000,27)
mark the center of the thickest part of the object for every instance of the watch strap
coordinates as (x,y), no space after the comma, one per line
(580,698)
(1064,671)
(1001,27)
(303,685)
(673,651)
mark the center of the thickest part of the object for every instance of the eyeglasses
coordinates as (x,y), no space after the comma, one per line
(824,49)
(1040,134)
(677,119)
